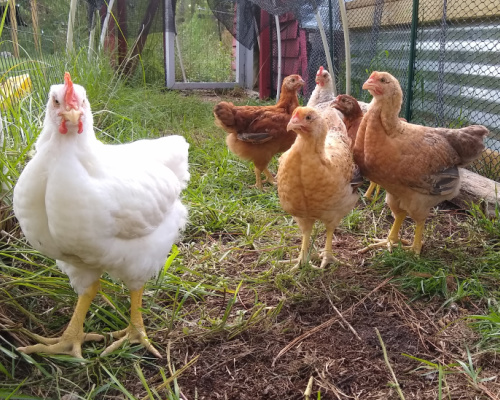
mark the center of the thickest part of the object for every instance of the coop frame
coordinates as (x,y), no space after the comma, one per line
(243,61)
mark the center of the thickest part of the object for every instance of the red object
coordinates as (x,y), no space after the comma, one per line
(63,128)
(293,48)
(70,96)
(293,52)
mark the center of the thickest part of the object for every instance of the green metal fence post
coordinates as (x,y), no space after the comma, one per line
(411,66)
(330,17)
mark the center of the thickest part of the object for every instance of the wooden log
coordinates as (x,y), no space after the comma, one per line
(477,189)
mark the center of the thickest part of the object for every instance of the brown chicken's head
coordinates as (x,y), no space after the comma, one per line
(322,77)
(306,121)
(67,106)
(382,84)
(348,105)
(292,83)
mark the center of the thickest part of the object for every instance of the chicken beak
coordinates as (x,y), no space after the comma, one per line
(294,124)
(301,82)
(72,115)
(369,84)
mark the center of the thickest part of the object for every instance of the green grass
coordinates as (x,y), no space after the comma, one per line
(222,282)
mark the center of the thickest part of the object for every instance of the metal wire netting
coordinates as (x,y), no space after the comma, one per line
(449,69)
(457,64)
(34,54)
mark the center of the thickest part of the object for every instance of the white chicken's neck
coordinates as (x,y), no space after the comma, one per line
(322,94)
(72,141)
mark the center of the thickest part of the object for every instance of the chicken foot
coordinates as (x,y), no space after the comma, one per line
(327,257)
(393,237)
(135,332)
(327,254)
(70,342)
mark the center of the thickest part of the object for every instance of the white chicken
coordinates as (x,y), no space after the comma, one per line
(323,92)
(95,207)
(323,95)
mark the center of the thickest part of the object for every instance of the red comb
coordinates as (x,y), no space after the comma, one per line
(320,71)
(70,96)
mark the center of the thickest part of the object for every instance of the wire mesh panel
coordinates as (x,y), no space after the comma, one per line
(31,47)
(205,49)
(457,80)
(380,33)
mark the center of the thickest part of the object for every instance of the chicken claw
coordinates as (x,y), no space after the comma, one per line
(327,259)
(72,338)
(384,242)
(132,335)
(135,332)
(65,344)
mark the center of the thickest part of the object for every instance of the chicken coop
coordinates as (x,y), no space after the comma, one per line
(445,53)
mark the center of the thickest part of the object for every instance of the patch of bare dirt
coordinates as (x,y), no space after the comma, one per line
(345,357)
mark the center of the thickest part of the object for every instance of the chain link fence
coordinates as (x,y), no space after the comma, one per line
(448,65)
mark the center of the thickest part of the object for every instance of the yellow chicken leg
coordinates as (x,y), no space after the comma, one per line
(371,188)
(306,226)
(135,332)
(417,240)
(393,237)
(71,340)
(327,256)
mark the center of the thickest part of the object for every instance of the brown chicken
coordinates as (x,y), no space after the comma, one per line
(257,133)
(417,165)
(353,114)
(317,179)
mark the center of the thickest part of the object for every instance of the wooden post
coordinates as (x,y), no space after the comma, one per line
(36,30)
(95,18)
(71,23)
(13,26)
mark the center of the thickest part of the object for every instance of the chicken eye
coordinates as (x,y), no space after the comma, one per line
(308,117)
(56,101)
(383,80)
